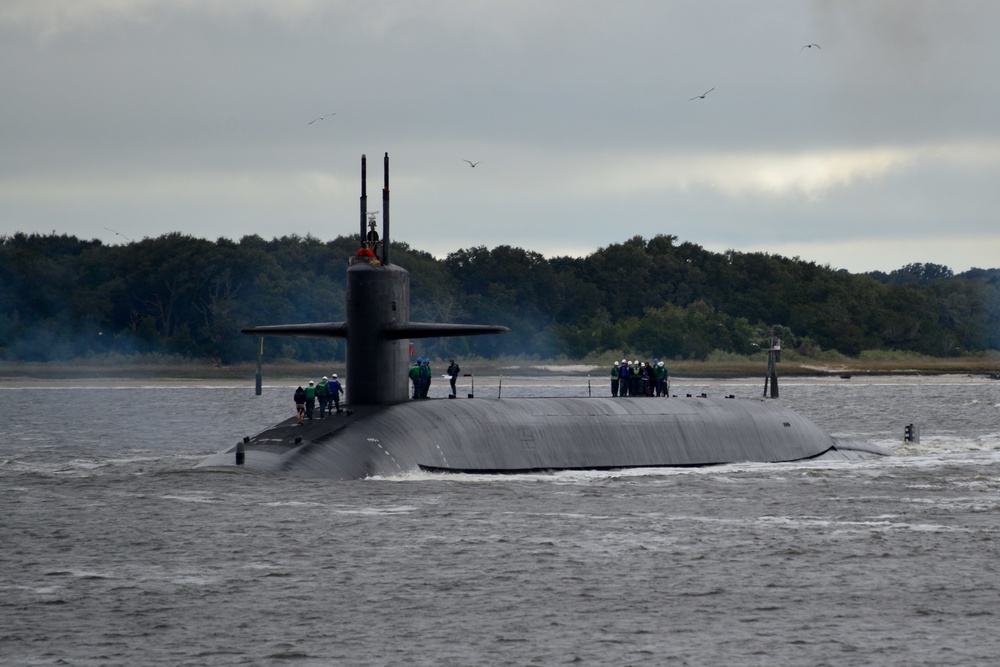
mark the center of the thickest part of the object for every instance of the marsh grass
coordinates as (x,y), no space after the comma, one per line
(718,365)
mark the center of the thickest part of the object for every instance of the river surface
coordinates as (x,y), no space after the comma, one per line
(114,551)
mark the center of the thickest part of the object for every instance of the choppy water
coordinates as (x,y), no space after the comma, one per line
(114,551)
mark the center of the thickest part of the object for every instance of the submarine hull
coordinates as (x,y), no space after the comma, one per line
(538,434)
(384,434)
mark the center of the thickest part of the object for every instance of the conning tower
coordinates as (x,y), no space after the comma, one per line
(378,327)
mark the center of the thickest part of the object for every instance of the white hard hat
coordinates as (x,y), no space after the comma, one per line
(334,376)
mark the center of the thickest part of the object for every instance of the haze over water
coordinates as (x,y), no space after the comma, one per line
(115,551)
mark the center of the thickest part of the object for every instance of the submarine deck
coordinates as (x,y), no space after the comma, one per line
(521,435)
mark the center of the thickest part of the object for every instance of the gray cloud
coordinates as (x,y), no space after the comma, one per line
(192,116)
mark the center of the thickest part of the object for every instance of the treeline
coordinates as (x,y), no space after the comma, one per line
(62,297)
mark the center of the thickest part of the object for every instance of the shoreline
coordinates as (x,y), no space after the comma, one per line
(238,374)
(486,385)
(166,377)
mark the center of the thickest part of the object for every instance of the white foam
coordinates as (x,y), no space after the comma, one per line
(291,503)
(190,499)
(380,511)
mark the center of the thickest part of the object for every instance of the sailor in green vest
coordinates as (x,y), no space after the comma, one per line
(310,399)
(616,375)
(415,378)
(323,396)
(657,376)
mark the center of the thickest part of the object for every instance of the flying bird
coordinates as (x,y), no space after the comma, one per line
(471,163)
(321,118)
(117,233)
(809,46)
(702,96)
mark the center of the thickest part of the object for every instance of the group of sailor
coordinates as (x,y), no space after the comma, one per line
(420,375)
(327,391)
(639,378)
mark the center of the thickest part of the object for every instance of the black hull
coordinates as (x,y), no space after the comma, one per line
(538,434)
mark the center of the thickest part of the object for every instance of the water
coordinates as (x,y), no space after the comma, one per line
(114,551)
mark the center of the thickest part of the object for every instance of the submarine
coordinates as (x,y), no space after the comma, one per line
(382,432)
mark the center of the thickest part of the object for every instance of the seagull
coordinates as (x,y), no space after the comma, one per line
(471,163)
(117,233)
(321,118)
(809,46)
(702,96)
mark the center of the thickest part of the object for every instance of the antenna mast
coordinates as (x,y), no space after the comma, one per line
(385,214)
(364,199)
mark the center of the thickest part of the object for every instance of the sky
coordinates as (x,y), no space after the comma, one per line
(877,147)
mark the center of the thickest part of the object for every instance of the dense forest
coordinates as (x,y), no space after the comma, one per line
(62,298)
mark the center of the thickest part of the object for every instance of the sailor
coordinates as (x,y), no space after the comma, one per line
(371,240)
(425,378)
(310,399)
(323,396)
(623,371)
(665,381)
(657,371)
(615,379)
(453,371)
(300,403)
(335,390)
(415,378)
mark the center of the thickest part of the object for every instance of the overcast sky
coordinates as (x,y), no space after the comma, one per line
(124,119)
